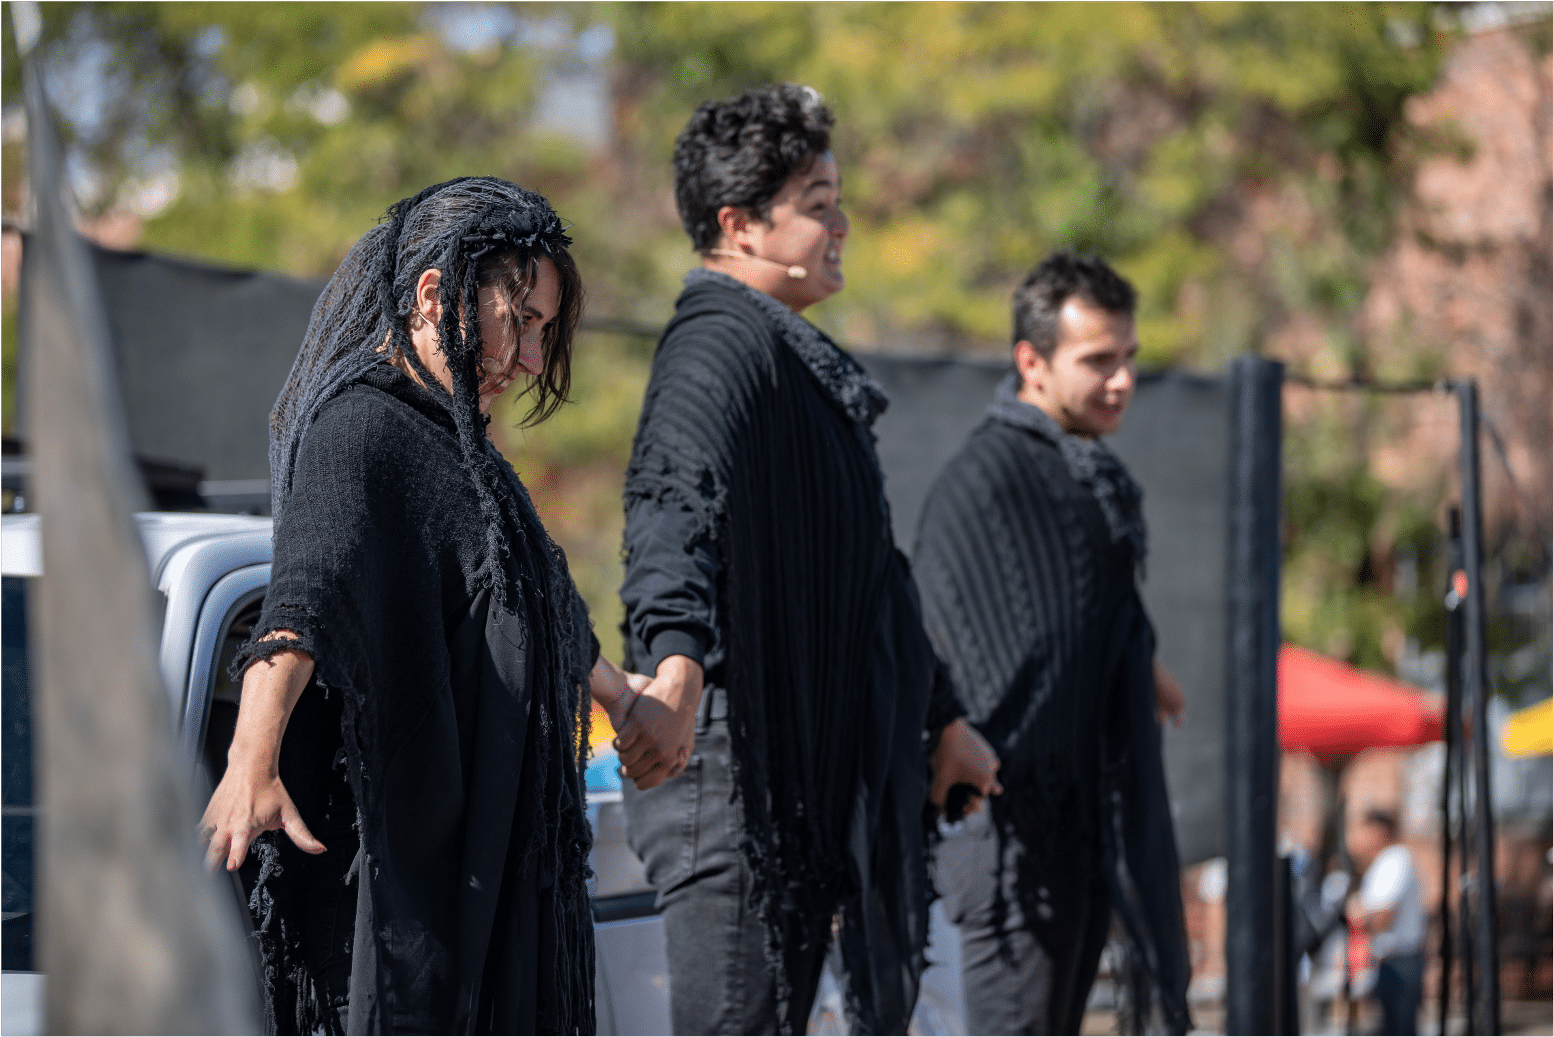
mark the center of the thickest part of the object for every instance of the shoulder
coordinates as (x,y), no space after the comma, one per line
(364,423)
(996,459)
(366,444)
(717,324)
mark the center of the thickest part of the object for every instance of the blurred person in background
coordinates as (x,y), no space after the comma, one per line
(1389,909)
(780,760)
(1029,552)
(422,649)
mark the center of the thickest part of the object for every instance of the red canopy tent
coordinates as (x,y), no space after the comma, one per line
(1334,710)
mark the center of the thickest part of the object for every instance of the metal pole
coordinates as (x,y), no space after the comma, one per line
(1452,727)
(1476,691)
(1457,720)
(1286,950)
(1251,708)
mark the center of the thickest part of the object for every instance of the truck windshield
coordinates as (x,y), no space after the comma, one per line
(16,780)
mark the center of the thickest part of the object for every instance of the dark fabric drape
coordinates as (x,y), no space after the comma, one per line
(829,674)
(1029,595)
(457,739)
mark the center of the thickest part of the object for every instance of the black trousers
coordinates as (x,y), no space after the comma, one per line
(687,832)
(1028,956)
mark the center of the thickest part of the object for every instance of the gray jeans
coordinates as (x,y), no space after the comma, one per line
(687,832)
(1027,961)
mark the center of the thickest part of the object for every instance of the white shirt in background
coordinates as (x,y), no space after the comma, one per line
(1390,884)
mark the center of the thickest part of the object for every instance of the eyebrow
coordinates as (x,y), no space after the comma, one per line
(822,182)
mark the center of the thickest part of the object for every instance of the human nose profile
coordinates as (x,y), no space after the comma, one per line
(1122,378)
(841,226)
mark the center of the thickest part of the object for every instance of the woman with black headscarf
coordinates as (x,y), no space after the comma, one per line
(422,648)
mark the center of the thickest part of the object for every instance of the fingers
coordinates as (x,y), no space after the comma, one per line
(651,772)
(942,780)
(215,849)
(630,734)
(291,822)
(991,786)
(239,850)
(658,774)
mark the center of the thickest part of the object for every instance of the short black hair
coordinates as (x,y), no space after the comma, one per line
(1382,818)
(1045,289)
(741,151)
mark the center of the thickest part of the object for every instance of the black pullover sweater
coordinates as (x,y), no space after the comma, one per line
(758,541)
(436,752)
(1029,593)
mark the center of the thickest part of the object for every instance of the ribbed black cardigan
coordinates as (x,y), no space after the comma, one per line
(830,677)
(436,752)
(1034,607)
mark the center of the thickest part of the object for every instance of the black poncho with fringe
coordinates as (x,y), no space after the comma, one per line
(754,445)
(1026,557)
(438,751)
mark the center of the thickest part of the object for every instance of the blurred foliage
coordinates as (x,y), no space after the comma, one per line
(974,138)
(1242,163)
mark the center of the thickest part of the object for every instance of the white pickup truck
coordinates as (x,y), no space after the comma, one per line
(212,572)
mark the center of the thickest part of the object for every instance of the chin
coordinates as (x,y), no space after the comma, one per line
(1105,424)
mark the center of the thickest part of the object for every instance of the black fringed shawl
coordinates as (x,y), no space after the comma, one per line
(452,654)
(459,738)
(756,425)
(1026,557)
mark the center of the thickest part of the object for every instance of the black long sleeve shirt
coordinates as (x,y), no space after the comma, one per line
(670,590)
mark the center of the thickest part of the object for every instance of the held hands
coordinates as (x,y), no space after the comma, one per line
(659,732)
(963,757)
(615,690)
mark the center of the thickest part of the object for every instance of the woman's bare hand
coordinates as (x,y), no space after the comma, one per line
(249,802)
(963,757)
(250,799)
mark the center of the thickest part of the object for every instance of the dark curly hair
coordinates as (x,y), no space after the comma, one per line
(1045,289)
(741,151)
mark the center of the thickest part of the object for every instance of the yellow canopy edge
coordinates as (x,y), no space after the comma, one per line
(1530,731)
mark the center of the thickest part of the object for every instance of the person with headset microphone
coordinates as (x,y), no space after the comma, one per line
(780,760)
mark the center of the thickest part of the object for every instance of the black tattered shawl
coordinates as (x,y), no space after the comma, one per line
(756,425)
(1026,558)
(460,729)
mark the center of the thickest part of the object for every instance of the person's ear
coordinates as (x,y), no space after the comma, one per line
(1033,367)
(735,223)
(427,302)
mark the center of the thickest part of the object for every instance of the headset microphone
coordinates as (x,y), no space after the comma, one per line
(798,273)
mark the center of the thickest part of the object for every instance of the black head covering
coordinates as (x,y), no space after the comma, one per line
(450,227)
(362,575)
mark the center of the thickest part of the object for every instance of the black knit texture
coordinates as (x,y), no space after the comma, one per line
(827,667)
(410,559)
(377,566)
(1029,596)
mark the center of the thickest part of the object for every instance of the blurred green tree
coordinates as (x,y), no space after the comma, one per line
(1242,163)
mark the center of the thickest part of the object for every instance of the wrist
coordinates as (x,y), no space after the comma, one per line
(681,678)
(680,670)
(256,757)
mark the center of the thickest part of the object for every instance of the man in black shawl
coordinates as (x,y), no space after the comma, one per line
(422,648)
(1027,555)
(780,759)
